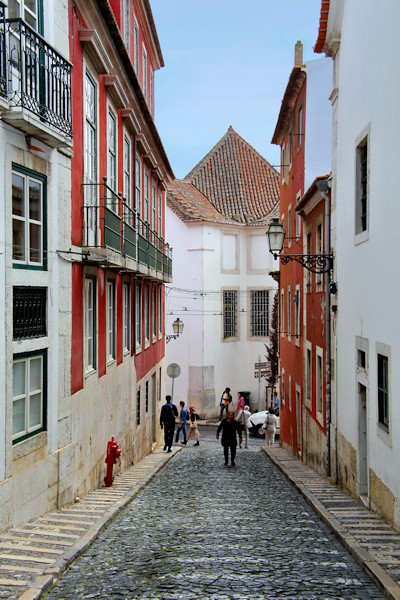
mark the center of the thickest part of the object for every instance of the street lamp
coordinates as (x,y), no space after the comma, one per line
(177,327)
(316,263)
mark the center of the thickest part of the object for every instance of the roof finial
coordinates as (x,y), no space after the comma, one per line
(298,54)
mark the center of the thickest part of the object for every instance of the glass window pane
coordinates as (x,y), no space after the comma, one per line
(13,9)
(35,242)
(35,410)
(35,209)
(18,416)
(35,374)
(18,233)
(18,203)
(19,387)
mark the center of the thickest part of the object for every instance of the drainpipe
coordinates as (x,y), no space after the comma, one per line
(323,185)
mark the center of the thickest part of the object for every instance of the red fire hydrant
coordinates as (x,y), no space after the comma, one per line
(113,452)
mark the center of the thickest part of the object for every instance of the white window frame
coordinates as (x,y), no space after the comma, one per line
(297,315)
(112,155)
(146,216)
(298,217)
(127,169)
(160,310)
(153,206)
(319,384)
(361,187)
(282,312)
(126,23)
(146,315)
(126,320)
(136,47)
(289,313)
(26,397)
(319,249)
(230,314)
(90,317)
(22,222)
(308,368)
(154,312)
(159,227)
(111,321)
(259,313)
(25,13)
(138,316)
(144,73)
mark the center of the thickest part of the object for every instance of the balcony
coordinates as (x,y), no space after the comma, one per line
(35,84)
(115,236)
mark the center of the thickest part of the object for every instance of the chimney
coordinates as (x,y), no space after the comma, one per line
(298,54)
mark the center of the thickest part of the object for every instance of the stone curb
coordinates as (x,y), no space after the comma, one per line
(390,588)
(42,583)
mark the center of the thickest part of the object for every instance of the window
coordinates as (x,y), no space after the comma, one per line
(138,407)
(28,10)
(28,218)
(154,208)
(362,187)
(127,171)
(138,186)
(289,232)
(147,313)
(112,155)
(230,313)
(138,314)
(383,391)
(151,92)
(126,317)
(160,309)
(144,74)
(298,218)
(282,312)
(154,310)
(289,312)
(259,313)
(126,16)
(146,216)
(29,312)
(90,158)
(90,325)
(159,215)
(299,127)
(308,373)
(29,394)
(283,163)
(296,300)
(147,396)
(136,47)
(319,382)
(309,251)
(110,321)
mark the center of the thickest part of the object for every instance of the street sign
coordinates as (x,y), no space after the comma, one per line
(173,370)
(262,365)
(257,374)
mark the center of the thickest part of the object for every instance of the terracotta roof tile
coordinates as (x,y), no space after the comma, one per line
(239,182)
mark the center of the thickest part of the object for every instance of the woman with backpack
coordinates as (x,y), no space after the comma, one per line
(270,426)
(193,417)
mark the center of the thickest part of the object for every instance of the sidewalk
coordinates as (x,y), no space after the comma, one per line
(34,555)
(371,541)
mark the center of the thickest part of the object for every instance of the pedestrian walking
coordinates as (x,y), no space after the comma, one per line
(241,402)
(244,423)
(230,431)
(270,426)
(167,422)
(183,417)
(225,401)
(193,431)
(275,399)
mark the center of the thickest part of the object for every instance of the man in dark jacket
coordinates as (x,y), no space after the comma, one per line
(167,422)
(230,430)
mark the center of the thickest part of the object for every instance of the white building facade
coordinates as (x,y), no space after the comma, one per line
(364,44)
(35,273)
(222,288)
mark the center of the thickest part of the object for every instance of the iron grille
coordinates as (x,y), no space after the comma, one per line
(29,312)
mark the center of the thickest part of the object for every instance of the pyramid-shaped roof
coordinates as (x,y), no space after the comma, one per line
(239,183)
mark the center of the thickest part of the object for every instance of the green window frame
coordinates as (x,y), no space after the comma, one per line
(29,395)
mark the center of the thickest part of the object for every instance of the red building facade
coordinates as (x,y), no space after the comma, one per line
(120,258)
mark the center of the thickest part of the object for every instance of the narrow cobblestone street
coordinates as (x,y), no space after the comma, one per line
(202,530)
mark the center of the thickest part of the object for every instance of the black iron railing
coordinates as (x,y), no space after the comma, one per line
(29,312)
(3,71)
(108,222)
(38,78)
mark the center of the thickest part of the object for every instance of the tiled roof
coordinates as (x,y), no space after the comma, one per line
(233,181)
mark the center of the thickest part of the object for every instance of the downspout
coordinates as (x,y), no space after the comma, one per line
(323,186)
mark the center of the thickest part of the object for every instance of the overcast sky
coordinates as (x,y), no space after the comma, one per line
(227,62)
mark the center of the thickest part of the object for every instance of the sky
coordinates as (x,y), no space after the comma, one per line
(227,62)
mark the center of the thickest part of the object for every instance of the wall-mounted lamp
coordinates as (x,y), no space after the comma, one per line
(316,263)
(177,327)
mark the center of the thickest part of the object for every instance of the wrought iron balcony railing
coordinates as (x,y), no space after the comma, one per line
(34,76)
(108,222)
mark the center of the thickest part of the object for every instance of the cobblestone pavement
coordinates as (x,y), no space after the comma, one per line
(200,530)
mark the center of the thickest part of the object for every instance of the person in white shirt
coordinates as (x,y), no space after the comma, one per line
(242,418)
(270,426)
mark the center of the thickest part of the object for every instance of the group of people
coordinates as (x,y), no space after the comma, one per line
(230,427)
(168,414)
